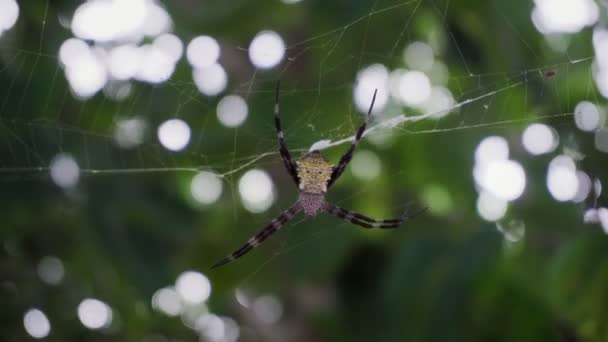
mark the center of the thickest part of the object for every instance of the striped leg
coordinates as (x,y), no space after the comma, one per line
(289,164)
(364,221)
(337,172)
(262,235)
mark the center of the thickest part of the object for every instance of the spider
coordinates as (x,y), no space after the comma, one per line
(313,175)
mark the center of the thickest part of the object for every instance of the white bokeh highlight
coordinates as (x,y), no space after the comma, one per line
(203,51)
(167,301)
(268,309)
(155,64)
(129,133)
(491,148)
(414,88)
(588,116)
(36,323)
(602,214)
(365,165)
(539,139)
(232,111)
(497,176)
(504,179)
(193,287)
(562,178)
(210,80)
(266,50)
(65,172)
(601,140)
(131,20)
(174,134)
(94,314)
(369,79)
(171,45)
(584,187)
(9,13)
(564,16)
(491,208)
(86,73)
(419,56)
(123,61)
(440,103)
(50,270)
(257,191)
(116,47)
(600,70)
(206,187)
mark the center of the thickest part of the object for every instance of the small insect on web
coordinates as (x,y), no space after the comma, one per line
(314,175)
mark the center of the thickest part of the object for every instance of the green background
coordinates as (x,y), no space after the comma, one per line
(126,230)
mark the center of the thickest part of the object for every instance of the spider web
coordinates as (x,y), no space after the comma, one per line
(40,117)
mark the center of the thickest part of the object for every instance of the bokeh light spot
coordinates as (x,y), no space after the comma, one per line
(266,50)
(65,172)
(256,190)
(193,287)
(419,56)
(35,322)
(587,116)
(129,133)
(206,187)
(539,139)
(167,301)
(268,309)
(232,111)
(414,88)
(123,61)
(156,65)
(94,314)
(504,179)
(562,179)
(50,270)
(366,165)
(564,16)
(203,52)
(584,187)
(491,148)
(601,140)
(210,80)
(440,103)
(491,208)
(86,73)
(9,13)
(372,78)
(174,134)
(171,45)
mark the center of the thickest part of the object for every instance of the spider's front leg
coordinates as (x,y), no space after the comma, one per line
(289,164)
(346,158)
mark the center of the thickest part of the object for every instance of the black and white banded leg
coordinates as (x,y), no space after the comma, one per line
(365,221)
(289,164)
(262,235)
(337,172)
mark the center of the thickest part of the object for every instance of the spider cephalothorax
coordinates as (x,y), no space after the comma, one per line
(313,175)
(314,172)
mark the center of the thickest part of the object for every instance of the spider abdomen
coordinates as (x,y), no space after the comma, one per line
(311,203)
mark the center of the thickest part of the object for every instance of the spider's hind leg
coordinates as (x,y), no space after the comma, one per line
(365,221)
